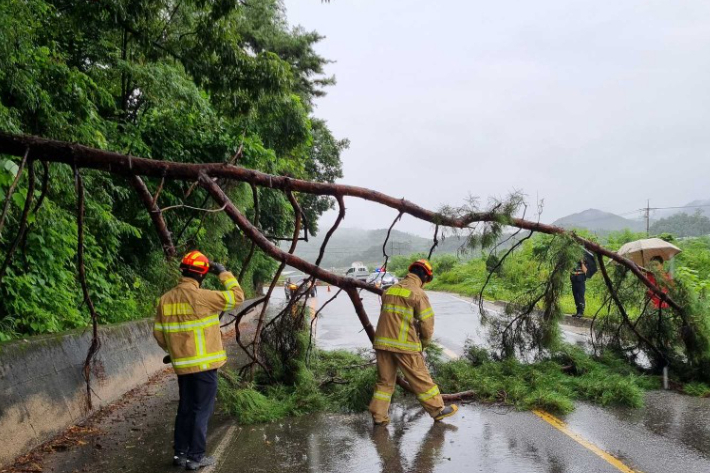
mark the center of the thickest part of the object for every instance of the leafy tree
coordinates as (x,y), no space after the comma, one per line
(683,225)
(175,80)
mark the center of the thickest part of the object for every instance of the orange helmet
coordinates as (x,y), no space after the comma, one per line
(195,262)
(426,266)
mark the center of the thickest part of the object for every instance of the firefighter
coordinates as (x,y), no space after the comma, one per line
(187,327)
(405,327)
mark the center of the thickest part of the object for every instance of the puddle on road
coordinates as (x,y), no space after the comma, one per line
(673,416)
(475,441)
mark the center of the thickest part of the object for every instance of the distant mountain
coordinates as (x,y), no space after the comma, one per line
(599,221)
(352,244)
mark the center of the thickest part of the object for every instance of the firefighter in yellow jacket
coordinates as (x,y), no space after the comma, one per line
(405,327)
(187,327)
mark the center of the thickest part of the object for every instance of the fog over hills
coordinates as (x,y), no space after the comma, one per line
(599,221)
(604,222)
(353,244)
(690,208)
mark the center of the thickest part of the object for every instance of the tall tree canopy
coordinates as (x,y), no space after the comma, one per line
(180,80)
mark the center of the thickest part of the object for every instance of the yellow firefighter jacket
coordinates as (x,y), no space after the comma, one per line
(406,318)
(187,323)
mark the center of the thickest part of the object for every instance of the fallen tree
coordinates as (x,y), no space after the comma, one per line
(479,227)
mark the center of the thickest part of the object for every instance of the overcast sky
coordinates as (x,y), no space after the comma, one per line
(587,104)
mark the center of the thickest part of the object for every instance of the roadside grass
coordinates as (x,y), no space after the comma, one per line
(697,389)
(496,291)
(343,382)
(334,381)
(551,384)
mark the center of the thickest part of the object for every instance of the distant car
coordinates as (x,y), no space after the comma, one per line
(296,287)
(358,272)
(383,280)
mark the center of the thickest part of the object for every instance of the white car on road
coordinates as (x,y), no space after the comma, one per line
(358,272)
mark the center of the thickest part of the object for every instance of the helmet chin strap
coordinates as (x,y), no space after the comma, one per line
(192,275)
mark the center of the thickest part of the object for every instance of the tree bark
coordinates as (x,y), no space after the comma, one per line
(156,215)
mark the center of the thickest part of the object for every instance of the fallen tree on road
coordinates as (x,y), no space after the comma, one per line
(478,226)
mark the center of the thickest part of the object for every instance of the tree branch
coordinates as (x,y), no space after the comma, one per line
(384,245)
(296,230)
(341,216)
(83,156)
(156,215)
(274,251)
(95,342)
(436,242)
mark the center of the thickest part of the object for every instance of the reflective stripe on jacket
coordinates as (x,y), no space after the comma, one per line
(187,323)
(406,318)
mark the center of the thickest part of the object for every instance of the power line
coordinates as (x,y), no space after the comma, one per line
(683,207)
(642,210)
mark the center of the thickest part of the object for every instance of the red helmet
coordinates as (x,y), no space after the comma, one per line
(195,262)
(426,266)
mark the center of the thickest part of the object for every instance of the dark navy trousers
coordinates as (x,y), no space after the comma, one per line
(197,396)
(578,289)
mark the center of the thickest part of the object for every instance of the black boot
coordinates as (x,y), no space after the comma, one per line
(180,459)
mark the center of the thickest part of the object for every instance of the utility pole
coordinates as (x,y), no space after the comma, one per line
(648,215)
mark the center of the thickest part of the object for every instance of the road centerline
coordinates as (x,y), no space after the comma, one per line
(562,427)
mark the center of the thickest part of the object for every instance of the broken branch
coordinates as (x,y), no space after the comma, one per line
(156,215)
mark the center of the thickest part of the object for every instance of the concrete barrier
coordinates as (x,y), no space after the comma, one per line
(42,388)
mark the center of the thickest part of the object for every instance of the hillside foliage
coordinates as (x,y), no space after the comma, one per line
(683,225)
(163,79)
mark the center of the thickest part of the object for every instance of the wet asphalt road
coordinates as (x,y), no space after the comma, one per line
(671,434)
(457,320)
(479,439)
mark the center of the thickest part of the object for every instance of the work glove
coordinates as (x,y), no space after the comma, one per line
(217,268)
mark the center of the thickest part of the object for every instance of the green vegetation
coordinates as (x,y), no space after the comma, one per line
(181,81)
(697,389)
(552,383)
(301,379)
(304,381)
(522,270)
(337,381)
(341,381)
(683,225)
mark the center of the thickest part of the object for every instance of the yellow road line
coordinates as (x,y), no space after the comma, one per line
(562,427)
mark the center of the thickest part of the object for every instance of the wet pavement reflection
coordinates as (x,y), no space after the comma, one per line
(482,439)
(457,321)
